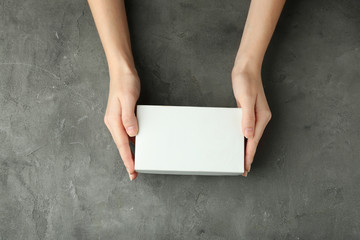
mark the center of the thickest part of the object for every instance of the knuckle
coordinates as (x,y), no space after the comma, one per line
(247,100)
(268,115)
(106,120)
(249,123)
(233,74)
(110,120)
(127,120)
(250,116)
(265,114)
(249,95)
(236,75)
(129,95)
(122,145)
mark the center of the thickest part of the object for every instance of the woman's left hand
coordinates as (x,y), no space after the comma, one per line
(250,96)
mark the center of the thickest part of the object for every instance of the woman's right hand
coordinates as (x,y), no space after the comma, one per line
(120,116)
(111,23)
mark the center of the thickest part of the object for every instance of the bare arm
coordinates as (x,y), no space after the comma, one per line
(246,74)
(124,90)
(259,27)
(111,23)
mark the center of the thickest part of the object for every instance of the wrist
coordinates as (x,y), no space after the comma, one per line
(121,67)
(247,64)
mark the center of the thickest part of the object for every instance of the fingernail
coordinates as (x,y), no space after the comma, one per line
(245,174)
(131,176)
(249,168)
(131,131)
(249,132)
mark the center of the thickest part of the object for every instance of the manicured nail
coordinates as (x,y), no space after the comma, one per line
(249,132)
(131,131)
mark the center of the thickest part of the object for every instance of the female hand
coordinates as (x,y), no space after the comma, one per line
(249,94)
(120,116)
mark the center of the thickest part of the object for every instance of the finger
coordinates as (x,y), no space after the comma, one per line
(248,115)
(122,142)
(114,123)
(245,172)
(262,119)
(128,103)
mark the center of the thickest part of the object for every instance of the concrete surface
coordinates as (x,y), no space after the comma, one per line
(61,176)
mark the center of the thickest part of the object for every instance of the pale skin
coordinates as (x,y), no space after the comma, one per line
(111,23)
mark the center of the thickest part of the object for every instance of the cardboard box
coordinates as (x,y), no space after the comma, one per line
(189,140)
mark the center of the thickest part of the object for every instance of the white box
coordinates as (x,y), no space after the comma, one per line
(189,140)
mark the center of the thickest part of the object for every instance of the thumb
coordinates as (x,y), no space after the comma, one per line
(248,116)
(129,120)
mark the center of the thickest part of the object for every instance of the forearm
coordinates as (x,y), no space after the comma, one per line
(112,26)
(259,27)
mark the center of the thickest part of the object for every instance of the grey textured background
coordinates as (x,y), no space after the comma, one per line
(61,176)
